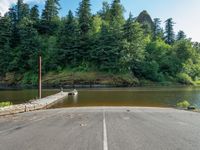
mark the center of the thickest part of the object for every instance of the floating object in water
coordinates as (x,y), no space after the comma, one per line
(73,93)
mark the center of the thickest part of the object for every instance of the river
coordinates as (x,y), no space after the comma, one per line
(143,96)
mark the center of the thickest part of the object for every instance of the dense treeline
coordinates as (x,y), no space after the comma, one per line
(105,42)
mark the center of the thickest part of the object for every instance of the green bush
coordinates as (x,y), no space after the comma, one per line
(84,66)
(59,69)
(30,78)
(184,78)
(183,104)
(151,72)
(4,104)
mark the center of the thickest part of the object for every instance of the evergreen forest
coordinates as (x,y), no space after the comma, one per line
(101,48)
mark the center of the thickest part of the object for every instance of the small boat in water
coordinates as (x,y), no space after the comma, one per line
(73,93)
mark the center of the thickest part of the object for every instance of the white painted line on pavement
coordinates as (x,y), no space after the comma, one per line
(105,139)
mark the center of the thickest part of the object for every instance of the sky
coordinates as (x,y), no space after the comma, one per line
(185,13)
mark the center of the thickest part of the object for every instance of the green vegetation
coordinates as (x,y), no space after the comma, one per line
(183,104)
(104,47)
(185,79)
(71,77)
(4,104)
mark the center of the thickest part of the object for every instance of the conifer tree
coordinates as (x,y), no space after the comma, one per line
(15,40)
(105,41)
(106,55)
(27,51)
(105,12)
(157,30)
(169,31)
(67,42)
(114,37)
(19,8)
(84,17)
(22,10)
(127,29)
(5,49)
(133,53)
(116,13)
(50,16)
(50,11)
(84,22)
(181,35)
(34,14)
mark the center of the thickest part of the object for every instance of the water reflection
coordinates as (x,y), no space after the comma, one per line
(21,96)
(148,96)
(75,99)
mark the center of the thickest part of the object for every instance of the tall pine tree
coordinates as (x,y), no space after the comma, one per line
(105,12)
(169,31)
(34,14)
(85,22)
(5,49)
(27,51)
(157,30)
(50,17)
(106,51)
(133,44)
(15,40)
(22,10)
(181,35)
(67,42)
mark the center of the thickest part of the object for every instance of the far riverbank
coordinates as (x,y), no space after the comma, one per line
(77,79)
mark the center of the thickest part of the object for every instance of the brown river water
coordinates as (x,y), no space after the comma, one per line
(143,96)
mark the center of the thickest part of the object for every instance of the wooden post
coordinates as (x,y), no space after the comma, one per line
(39,76)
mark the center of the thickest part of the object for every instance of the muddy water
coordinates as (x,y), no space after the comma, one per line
(21,96)
(148,96)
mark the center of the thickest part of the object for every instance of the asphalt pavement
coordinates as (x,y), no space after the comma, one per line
(101,128)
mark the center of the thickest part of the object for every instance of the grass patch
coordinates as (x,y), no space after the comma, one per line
(4,104)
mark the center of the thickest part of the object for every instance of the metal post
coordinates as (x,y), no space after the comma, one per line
(39,76)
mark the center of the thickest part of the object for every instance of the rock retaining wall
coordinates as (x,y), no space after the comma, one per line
(34,105)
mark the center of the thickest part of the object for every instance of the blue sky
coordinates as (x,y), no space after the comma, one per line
(186,13)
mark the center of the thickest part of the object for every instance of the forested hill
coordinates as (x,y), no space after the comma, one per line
(104,47)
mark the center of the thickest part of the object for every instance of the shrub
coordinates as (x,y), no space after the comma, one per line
(184,78)
(84,66)
(151,72)
(4,104)
(30,78)
(183,104)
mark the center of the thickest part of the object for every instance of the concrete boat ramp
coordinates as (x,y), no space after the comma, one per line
(35,105)
(122,128)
